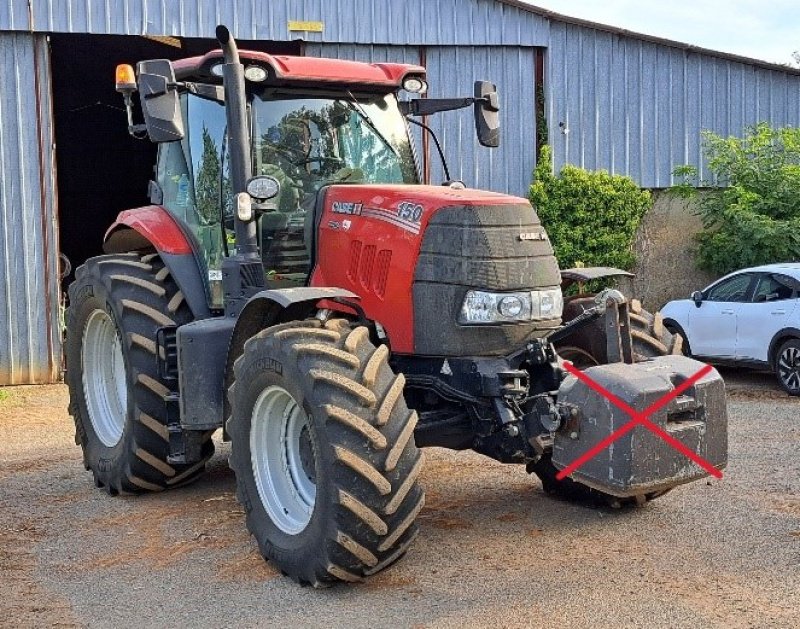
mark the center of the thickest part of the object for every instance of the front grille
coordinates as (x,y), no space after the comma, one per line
(494,248)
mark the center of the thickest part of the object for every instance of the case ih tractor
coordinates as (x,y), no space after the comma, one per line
(293,284)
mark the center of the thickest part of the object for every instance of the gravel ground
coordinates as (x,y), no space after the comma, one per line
(494,550)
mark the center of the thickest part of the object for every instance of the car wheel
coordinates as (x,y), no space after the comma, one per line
(787,366)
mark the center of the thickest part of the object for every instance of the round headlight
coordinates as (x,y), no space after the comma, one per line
(510,306)
(216,69)
(415,85)
(263,187)
(255,74)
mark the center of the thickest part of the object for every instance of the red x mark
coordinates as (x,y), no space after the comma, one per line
(637,418)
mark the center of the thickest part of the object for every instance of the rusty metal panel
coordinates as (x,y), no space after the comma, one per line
(29,344)
(434,22)
(637,107)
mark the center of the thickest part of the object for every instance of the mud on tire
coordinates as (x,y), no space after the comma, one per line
(365,461)
(138,296)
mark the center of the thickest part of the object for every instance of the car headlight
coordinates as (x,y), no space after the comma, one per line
(484,307)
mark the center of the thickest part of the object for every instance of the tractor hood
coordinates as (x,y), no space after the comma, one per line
(434,243)
(428,196)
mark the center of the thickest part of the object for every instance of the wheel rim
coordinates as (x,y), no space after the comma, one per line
(105,388)
(789,368)
(283,459)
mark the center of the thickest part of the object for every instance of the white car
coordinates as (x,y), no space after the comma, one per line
(749,318)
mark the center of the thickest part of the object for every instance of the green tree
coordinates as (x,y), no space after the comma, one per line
(207,187)
(590,216)
(752,215)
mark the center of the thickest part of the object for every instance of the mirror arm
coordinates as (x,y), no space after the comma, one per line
(137,131)
(428,106)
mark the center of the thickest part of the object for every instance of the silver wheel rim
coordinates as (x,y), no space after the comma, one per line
(789,368)
(283,459)
(103,374)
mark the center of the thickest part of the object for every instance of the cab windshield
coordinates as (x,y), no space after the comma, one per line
(309,140)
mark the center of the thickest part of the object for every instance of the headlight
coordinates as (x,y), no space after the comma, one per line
(483,307)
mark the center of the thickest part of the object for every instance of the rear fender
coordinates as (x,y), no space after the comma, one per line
(586,274)
(152,227)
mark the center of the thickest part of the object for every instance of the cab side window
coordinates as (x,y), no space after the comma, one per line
(734,289)
(193,174)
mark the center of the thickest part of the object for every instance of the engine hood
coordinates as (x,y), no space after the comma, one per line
(432,196)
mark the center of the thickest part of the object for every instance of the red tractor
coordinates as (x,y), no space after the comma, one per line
(293,284)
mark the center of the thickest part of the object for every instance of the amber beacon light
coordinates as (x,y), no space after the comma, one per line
(125,78)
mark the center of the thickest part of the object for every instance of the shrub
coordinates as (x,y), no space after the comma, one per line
(753,215)
(590,216)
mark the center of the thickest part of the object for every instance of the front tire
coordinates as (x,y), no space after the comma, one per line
(117,302)
(323,450)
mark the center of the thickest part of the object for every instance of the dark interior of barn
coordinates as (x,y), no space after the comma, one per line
(101,169)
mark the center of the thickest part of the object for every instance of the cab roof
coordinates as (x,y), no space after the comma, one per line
(286,69)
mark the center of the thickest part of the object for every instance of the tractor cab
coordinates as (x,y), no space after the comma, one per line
(313,123)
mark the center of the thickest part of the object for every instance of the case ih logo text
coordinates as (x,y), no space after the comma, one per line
(347,207)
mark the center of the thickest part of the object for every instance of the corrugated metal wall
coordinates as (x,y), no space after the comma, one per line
(29,348)
(459,22)
(451,73)
(637,108)
(631,106)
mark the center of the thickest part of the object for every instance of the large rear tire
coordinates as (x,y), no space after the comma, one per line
(117,302)
(323,448)
(650,338)
(587,347)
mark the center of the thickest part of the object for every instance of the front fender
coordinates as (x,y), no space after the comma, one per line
(271,307)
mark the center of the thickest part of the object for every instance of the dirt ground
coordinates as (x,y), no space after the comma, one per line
(493,550)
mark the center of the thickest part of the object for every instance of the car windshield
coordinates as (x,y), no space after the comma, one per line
(307,140)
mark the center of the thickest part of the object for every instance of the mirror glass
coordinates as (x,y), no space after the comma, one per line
(487,114)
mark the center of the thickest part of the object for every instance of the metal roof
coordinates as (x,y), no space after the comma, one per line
(661,41)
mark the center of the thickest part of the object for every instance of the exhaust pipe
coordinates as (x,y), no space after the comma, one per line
(238,138)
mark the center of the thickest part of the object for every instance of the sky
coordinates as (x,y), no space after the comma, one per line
(763,29)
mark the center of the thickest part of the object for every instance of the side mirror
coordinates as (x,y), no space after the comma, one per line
(697,298)
(487,114)
(160,103)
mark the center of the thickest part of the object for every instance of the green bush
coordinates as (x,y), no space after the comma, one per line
(753,215)
(590,216)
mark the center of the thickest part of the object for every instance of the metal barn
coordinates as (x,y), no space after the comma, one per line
(607,98)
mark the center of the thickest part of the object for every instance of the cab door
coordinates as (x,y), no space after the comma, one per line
(714,324)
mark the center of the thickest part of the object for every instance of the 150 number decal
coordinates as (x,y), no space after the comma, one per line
(409,211)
